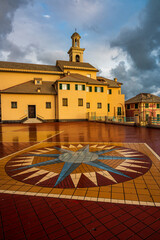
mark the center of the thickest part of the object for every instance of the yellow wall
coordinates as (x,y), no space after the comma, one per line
(23,100)
(9,79)
(97,97)
(82,72)
(116,100)
(72,111)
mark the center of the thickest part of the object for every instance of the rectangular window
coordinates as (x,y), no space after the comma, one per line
(158,117)
(108,107)
(48,104)
(13,104)
(118,111)
(128,106)
(79,87)
(89,89)
(98,89)
(136,105)
(146,105)
(80,102)
(109,91)
(65,102)
(87,105)
(63,86)
(158,105)
(99,105)
(147,117)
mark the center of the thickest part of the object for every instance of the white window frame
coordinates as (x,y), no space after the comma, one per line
(80,88)
(64,86)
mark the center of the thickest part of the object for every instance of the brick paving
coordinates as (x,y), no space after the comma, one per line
(123,210)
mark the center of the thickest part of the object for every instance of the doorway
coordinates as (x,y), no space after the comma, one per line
(31,111)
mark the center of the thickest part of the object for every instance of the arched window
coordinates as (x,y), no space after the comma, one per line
(77,58)
(75,42)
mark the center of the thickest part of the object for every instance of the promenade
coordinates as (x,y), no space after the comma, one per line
(79,180)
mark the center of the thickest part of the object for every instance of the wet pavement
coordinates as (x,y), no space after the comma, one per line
(79,180)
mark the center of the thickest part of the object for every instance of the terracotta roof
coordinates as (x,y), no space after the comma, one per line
(29,66)
(74,77)
(46,88)
(75,65)
(111,83)
(144,97)
(75,34)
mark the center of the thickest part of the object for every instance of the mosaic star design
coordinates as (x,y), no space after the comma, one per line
(72,160)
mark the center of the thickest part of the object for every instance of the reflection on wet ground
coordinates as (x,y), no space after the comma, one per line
(45,194)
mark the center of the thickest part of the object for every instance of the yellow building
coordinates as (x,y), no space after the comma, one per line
(71,90)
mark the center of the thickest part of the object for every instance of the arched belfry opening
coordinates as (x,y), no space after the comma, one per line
(77,58)
(75,52)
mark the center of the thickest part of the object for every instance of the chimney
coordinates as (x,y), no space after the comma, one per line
(115,79)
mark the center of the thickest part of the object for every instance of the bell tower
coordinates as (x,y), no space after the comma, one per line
(75,52)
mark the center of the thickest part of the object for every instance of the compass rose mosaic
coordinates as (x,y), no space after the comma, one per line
(78,166)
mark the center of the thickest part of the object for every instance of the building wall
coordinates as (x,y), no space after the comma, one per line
(72,111)
(10,79)
(116,99)
(23,100)
(82,72)
(142,111)
(97,97)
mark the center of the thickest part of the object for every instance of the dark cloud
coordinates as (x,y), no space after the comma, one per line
(7,12)
(142,45)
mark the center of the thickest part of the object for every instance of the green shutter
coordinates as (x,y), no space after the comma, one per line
(108,107)
(90,89)
(76,86)
(60,86)
(68,86)
(101,89)
(83,87)
(95,89)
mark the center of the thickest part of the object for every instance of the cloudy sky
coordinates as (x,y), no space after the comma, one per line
(121,37)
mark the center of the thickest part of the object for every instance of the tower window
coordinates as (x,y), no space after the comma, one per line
(75,42)
(77,58)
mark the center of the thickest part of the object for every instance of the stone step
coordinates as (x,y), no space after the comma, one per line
(32,120)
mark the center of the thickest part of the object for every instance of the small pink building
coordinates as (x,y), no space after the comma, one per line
(143,107)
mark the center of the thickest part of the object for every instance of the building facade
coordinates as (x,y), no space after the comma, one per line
(144,107)
(70,90)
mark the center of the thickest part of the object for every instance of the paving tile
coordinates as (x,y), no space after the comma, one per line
(57,218)
(145,232)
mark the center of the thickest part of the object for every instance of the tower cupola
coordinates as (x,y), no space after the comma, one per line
(75,52)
